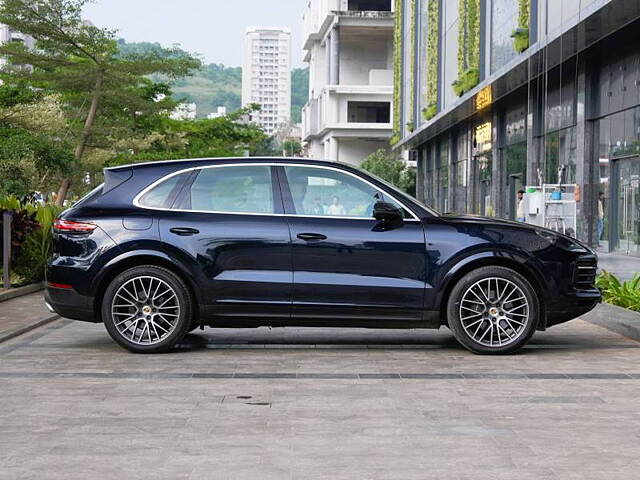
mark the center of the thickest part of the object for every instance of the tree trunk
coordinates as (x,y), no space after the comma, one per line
(86,132)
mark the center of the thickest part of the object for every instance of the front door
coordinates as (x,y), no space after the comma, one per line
(626,207)
(228,227)
(345,265)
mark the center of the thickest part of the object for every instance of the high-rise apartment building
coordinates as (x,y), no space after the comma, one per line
(266,75)
(349,48)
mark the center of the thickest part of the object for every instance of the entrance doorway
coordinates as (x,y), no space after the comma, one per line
(482,184)
(625,207)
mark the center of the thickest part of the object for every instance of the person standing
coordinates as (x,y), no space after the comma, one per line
(336,208)
(600,222)
(520,215)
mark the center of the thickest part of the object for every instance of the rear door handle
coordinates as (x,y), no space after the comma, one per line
(184,232)
(309,237)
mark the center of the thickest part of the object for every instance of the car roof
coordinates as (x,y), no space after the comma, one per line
(195,162)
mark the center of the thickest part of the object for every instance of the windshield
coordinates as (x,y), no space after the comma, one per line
(404,195)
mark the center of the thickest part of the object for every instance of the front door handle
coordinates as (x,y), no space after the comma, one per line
(184,231)
(310,237)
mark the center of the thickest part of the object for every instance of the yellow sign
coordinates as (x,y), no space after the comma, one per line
(483,136)
(484,98)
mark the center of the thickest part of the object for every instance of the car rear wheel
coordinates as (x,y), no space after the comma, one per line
(147,309)
(493,310)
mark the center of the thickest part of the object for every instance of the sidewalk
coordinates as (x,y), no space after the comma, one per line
(622,266)
(19,315)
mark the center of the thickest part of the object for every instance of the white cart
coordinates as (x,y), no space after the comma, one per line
(552,206)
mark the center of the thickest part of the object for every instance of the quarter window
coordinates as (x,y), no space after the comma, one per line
(233,189)
(330,193)
(163,194)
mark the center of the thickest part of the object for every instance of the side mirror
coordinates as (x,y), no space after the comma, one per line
(388,214)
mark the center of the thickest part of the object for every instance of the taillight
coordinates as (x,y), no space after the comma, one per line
(66,226)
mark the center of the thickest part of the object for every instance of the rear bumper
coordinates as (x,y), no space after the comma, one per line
(70,304)
(574,305)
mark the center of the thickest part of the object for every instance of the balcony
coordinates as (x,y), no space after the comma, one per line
(349,109)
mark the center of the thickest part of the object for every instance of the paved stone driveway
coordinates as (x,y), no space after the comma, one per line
(316,404)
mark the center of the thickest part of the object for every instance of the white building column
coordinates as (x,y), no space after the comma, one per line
(334,56)
(333,149)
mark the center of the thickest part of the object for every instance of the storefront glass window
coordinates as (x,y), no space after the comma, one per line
(560,156)
(443,177)
(504,20)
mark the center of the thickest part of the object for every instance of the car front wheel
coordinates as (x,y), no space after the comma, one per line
(493,310)
(147,309)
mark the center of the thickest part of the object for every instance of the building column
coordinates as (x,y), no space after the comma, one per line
(421,174)
(334,56)
(333,149)
(587,161)
(496,164)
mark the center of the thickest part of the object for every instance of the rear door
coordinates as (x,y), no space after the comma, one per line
(228,226)
(345,265)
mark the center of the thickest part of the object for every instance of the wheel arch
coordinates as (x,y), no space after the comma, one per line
(493,259)
(135,259)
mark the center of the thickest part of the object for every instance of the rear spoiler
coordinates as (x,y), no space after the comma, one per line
(116,176)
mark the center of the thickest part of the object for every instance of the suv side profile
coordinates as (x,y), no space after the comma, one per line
(163,248)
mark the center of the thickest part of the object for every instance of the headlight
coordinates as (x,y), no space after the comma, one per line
(562,241)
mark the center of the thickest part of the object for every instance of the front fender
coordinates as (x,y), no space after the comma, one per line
(454,268)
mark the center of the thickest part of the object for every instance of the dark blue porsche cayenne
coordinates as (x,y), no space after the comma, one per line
(163,248)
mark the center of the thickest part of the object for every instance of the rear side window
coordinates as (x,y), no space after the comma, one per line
(232,189)
(163,194)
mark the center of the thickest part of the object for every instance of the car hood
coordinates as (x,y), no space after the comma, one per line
(480,220)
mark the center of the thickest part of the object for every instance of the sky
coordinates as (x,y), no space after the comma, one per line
(212,28)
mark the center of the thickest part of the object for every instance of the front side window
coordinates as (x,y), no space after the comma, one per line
(331,193)
(232,189)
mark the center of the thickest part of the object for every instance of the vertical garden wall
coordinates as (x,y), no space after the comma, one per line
(432,60)
(411,120)
(521,40)
(468,46)
(397,71)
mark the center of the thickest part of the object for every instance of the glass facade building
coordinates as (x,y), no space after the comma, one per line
(555,100)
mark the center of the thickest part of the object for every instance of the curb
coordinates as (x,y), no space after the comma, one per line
(616,319)
(27,328)
(20,291)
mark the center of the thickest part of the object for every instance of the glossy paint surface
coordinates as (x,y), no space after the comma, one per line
(285,268)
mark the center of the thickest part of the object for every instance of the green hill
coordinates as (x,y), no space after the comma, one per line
(218,85)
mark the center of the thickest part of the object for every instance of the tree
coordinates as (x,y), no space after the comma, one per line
(291,148)
(99,86)
(393,170)
(299,92)
(226,136)
(30,148)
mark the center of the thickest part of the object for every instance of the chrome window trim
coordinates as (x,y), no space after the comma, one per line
(136,200)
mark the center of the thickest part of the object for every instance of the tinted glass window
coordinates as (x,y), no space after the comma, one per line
(325,192)
(161,195)
(233,189)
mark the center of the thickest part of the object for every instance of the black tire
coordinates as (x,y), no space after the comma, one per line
(180,303)
(505,324)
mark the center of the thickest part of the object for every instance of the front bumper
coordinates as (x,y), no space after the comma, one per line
(572,306)
(70,304)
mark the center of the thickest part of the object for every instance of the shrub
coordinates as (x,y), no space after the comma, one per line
(623,294)
(31,238)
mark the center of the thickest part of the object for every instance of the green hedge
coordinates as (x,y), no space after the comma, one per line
(623,294)
(31,239)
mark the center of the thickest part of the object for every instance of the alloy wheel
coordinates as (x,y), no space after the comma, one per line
(494,312)
(145,310)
